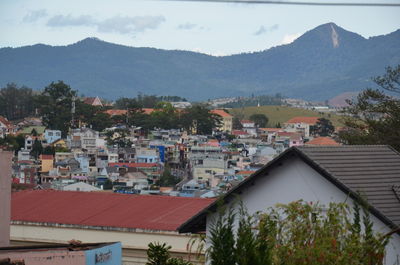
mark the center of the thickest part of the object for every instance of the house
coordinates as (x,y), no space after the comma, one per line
(289,139)
(6,127)
(94,101)
(80,186)
(46,163)
(49,216)
(301,125)
(226,120)
(249,127)
(323,174)
(52,135)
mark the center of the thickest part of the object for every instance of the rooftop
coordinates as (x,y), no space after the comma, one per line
(308,120)
(326,141)
(98,209)
(221,113)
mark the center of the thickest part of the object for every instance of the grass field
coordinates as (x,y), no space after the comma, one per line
(282,114)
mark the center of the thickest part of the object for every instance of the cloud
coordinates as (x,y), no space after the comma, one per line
(66,21)
(187,26)
(34,15)
(118,24)
(126,25)
(289,38)
(260,31)
(263,29)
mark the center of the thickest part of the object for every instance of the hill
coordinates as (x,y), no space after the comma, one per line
(319,65)
(281,114)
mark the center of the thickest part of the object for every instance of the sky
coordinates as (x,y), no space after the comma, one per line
(213,28)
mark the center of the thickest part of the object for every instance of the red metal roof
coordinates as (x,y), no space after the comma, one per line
(132,164)
(104,209)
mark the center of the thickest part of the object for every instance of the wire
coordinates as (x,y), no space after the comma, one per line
(276,2)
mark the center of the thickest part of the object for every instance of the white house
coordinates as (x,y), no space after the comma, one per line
(324,175)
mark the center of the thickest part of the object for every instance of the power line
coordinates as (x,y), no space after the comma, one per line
(276,2)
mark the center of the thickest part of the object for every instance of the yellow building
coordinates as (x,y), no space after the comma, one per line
(46,163)
(227,120)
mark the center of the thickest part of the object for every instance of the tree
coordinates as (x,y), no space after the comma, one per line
(374,117)
(167,179)
(296,233)
(55,104)
(236,124)
(199,119)
(37,149)
(323,127)
(259,119)
(16,102)
(158,254)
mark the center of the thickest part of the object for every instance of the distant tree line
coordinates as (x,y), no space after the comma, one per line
(145,101)
(60,108)
(263,100)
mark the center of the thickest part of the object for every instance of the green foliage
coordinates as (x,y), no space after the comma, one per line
(16,102)
(158,254)
(374,117)
(259,119)
(118,137)
(55,104)
(297,233)
(222,240)
(199,119)
(13,142)
(323,127)
(37,149)
(167,179)
(144,101)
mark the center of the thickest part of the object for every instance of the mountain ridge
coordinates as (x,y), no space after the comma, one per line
(320,64)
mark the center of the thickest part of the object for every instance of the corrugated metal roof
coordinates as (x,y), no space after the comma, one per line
(371,170)
(104,209)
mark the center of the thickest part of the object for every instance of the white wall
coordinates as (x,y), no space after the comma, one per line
(295,180)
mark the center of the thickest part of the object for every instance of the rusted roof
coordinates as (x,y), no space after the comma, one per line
(101,209)
(308,120)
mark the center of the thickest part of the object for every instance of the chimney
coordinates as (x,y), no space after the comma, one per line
(5,197)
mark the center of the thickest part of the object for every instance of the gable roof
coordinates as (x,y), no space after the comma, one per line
(308,120)
(100,209)
(372,170)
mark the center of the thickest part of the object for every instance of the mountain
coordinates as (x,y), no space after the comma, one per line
(320,64)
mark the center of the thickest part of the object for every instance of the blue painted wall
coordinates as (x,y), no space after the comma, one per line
(107,255)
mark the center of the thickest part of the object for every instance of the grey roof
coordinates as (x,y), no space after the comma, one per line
(372,171)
